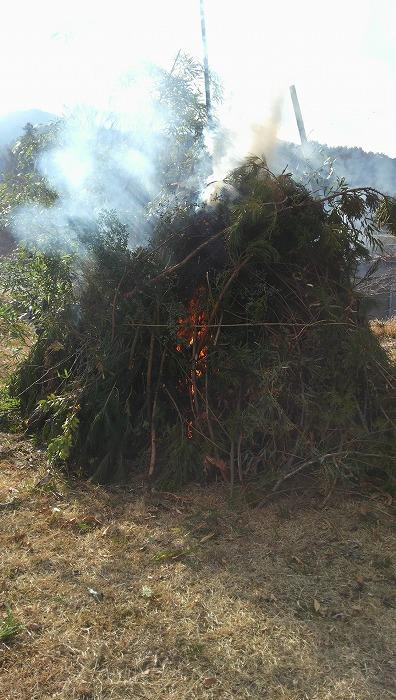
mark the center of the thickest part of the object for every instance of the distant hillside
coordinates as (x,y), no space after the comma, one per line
(11,125)
(359,168)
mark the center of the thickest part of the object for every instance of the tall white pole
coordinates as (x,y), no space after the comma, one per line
(205,61)
(298,113)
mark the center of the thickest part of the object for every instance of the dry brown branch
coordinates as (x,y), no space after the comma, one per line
(171,270)
(113,312)
(220,298)
(207,410)
(193,375)
(232,466)
(165,388)
(149,374)
(304,465)
(218,331)
(133,348)
(153,452)
(308,201)
(248,324)
(239,458)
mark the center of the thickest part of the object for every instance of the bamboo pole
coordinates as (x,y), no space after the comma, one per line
(206,61)
(298,113)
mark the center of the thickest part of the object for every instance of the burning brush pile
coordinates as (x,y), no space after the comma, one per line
(230,346)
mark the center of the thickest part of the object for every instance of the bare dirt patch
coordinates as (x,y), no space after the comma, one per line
(124,594)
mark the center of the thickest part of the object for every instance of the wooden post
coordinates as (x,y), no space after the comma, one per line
(297,112)
(206,62)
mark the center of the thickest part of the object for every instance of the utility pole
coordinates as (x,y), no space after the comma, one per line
(206,62)
(297,112)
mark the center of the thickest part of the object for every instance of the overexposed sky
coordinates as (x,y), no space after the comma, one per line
(341,56)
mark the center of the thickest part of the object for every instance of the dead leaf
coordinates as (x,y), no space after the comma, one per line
(55,346)
(209,682)
(44,480)
(220,464)
(360,581)
(96,595)
(317,606)
(297,559)
(207,537)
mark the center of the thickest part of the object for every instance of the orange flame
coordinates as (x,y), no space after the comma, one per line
(191,332)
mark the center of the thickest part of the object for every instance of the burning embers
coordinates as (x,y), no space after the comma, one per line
(192,333)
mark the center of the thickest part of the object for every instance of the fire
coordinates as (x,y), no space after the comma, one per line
(192,327)
(192,331)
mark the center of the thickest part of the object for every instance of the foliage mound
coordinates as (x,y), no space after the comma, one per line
(230,345)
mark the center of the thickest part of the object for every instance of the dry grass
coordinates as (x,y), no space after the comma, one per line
(130,595)
(13,351)
(117,594)
(10,355)
(385,330)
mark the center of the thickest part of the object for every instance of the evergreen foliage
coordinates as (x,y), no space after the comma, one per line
(247,357)
(230,344)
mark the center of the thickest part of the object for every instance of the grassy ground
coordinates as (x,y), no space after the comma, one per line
(123,594)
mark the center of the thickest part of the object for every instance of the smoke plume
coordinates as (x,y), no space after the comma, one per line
(103,160)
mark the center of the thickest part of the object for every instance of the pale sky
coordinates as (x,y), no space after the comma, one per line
(341,56)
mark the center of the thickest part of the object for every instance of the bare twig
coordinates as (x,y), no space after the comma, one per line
(248,324)
(171,270)
(133,348)
(153,453)
(279,210)
(193,375)
(165,388)
(304,465)
(218,330)
(220,298)
(232,466)
(239,458)
(114,304)
(208,420)
(149,374)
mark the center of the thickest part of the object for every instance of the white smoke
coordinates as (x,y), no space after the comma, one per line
(327,164)
(240,136)
(103,160)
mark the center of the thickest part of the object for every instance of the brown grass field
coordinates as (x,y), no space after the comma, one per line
(129,594)
(385,330)
(123,594)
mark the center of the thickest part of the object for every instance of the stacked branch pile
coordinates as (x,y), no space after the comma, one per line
(233,344)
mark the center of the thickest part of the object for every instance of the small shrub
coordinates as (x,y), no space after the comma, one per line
(9,627)
(10,420)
